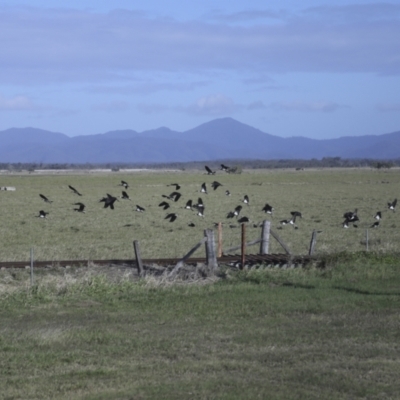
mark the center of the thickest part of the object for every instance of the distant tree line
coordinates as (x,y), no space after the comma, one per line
(236,166)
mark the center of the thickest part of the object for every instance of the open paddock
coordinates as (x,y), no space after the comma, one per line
(322,196)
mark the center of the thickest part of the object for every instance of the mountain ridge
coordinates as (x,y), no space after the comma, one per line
(223,138)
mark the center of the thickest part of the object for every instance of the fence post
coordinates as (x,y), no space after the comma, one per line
(219,239)
(366,239)
(138,258)
(243,246)
(264,246)
(210,250)
(31,266)
(313,242)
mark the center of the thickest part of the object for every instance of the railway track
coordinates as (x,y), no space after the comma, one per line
(235,260)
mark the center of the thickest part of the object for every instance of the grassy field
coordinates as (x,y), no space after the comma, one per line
(322,196)
(295,334)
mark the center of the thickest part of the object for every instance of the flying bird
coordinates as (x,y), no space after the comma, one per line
(174,196)
(224,168)
(74,190)
(108,201)
(125,195)
(172,217)
(215,185)
(177,185)
(351,216)
(189,205)
(140,209)
(164,205)
(209,170)
(45,198)
(81,207)
(124,184)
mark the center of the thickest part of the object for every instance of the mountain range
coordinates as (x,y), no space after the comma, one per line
(219,139)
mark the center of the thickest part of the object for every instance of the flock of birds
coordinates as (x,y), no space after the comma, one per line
(350,217)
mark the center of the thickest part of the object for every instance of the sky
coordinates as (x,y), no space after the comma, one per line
(319,69)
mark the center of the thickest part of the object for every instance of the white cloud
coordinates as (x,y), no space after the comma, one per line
(213,105)
(319,106)
(17,103)
(47,45)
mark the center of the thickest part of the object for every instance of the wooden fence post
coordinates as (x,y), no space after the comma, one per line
(243,247)
(219,239)
(313,242)
(31,266)
(280,241)
(138,258)
(264,246)
(210,250)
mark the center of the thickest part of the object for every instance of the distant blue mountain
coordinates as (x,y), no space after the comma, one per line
(223,138)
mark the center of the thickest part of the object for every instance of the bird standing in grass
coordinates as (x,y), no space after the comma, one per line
(392,205)
(42,214)
(209,170)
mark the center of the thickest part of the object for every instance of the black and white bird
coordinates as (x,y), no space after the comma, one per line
(81,207)
(237,210)
(109,201)
(125,196)
(351,216)
(199,205)
(74,190)
(234,213)
(243,220)
(124,184)
(392,205)
(224,168)
(165,205)
(45,198)
(227,192)
(268,209)
(246,199)
(174,196)
(177,185)
(291,221)
(171,217)
(296,214)
(209,170)
(215,185)
(189,205)
(200,211)
(203,188)
(140,209)
(42,214)
(378,216)
(375,224)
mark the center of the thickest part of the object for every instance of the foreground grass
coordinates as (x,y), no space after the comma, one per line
(297,334)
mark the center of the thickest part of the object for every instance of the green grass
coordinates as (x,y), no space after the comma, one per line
(321,195)
(315,333)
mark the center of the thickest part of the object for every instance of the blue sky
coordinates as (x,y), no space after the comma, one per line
(320,69)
